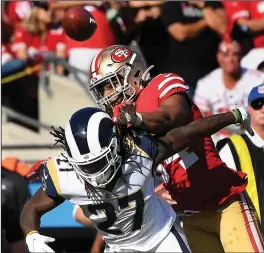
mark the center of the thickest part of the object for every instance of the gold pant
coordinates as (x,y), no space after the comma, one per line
(230,229)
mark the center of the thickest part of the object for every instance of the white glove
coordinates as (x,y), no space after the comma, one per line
(243,118)
(38,243)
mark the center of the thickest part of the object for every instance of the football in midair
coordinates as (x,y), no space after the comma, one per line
(79,24)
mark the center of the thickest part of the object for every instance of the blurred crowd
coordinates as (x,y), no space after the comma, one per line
(212,45)
(216,46)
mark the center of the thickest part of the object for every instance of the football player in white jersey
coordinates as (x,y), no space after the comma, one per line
(110,175)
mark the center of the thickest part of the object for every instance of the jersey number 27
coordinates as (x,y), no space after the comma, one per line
(110,213)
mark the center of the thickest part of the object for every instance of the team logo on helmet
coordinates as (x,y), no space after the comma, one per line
(121,54)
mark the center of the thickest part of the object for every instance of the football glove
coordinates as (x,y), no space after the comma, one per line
(38,243)
(242,118)
(125,113)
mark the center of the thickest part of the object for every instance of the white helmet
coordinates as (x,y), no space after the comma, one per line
(123,69)
(92,146)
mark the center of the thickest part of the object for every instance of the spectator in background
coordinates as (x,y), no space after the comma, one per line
(15,194)
(150,33)
(9,64)
(248,19)
(81,53)
(235,11)
(34,39)
(246,153)
(195,28)
(221,89)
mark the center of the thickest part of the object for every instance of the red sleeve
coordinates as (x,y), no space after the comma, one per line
(236,10)
(169,84)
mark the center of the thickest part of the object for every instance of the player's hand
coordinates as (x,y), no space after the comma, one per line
(164,194)
(242,117)
(36,169)
(38,243)
(125,113)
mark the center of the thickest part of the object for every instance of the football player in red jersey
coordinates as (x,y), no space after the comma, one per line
(216,216)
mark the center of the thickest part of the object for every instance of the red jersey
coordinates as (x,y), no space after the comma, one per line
(55,40)
(198,179)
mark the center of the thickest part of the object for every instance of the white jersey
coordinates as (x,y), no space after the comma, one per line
(127,213)
(212,96)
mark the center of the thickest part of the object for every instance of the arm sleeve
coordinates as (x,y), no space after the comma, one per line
(169,84)
(49,183)
(172,13)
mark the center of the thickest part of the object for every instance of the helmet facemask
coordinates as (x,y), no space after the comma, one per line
(120,86)
(108,161)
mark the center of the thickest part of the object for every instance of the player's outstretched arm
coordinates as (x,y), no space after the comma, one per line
(174,112)
(30,216)
(179,138)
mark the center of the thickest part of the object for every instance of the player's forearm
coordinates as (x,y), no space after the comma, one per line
(216,20)
(192,30)
(254,25)
(184,31)
(37,206)
(182,136)
(156,122)
(29,219)
(160,122)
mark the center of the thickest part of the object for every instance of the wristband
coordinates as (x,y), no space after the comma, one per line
(32,232)
(237,115)
(138,120)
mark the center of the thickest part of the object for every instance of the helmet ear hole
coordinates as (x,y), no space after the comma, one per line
(137,73)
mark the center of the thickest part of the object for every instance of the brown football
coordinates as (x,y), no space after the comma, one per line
(79,24)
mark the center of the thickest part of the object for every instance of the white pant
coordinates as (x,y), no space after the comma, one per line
(174,242)
(81,58)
